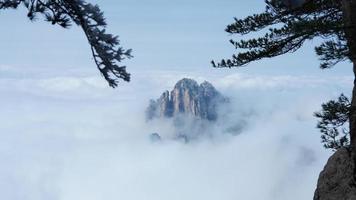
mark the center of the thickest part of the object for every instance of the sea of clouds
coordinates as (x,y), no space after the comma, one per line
(68,136)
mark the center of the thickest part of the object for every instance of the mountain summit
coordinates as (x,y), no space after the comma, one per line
(187,97)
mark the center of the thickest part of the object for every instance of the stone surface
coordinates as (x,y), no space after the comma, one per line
(155,137)
(336,181)
(187,97)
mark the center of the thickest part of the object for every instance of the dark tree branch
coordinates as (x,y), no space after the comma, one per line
(105,48)
(289,29)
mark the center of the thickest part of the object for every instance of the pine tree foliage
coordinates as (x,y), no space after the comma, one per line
(333,123)
(285,27)
(105,47)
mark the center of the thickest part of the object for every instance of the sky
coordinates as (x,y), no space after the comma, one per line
(65,135)
(171,35)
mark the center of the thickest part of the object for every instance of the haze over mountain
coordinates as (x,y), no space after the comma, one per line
(191,107)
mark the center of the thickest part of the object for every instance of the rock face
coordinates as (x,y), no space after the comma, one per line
(155,137)
(337,181)
(187,97)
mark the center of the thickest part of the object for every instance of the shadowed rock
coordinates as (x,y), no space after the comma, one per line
(155,137)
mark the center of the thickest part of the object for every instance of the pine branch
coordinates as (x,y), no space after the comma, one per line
(106,49)
(288,29)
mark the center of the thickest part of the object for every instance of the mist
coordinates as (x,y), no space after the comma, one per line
(69,137)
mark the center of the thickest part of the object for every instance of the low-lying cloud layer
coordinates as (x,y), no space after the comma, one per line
(69,137)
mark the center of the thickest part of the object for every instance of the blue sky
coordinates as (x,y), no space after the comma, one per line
(180,35)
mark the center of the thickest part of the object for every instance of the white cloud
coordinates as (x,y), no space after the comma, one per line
(70,137)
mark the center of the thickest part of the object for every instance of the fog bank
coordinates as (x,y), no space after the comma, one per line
(70,137)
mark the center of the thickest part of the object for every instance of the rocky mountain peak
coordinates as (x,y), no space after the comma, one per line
(187,97)
(186,84)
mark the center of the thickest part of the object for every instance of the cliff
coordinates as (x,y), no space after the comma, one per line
(337,180)
(187,97)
